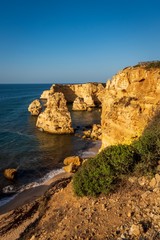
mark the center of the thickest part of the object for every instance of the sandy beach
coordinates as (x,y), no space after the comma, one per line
(32,194)
(29,195)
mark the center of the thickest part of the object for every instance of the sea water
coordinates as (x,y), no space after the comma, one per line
(37,155)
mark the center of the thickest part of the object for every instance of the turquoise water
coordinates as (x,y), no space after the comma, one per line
(37,155)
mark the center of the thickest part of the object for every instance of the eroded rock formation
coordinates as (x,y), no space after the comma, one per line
(35,107)
(56,117)
(90,92)
(130,100)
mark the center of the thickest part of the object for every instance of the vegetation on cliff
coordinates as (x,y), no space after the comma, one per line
(149,64)
(102,173)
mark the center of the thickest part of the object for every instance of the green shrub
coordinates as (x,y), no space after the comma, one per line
(148,147)
(93,178)
(101,173)
(121,158)
(148,64)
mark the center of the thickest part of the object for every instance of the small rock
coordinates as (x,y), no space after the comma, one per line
(134,230)
(157,177)
(132,179)
(129,214)
(10,173)
(153,183)
(144,195)
(76,160)
(142,181)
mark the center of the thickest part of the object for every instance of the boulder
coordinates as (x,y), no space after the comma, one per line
(94,133)
(69,168)
(35,107)
(76,160)
(56,117)
(10,173)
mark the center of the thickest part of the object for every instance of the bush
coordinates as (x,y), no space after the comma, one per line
(148,147)
(121,158)
(100,174)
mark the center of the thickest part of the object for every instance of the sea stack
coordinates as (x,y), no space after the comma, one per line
(56,117)
(35,107)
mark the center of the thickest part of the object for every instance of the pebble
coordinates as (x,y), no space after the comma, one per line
(153,183)
(142,181)
(134,230)
(144,195)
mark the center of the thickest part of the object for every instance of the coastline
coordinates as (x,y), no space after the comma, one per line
(29,195)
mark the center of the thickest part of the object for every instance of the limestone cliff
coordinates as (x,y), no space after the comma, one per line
(130,100)
(56,117)
(90,92)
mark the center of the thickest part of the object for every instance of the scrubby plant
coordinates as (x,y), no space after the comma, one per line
(149,64)
(101,173)
(148,147)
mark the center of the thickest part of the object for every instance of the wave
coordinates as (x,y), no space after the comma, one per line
(92,151)
(12,192)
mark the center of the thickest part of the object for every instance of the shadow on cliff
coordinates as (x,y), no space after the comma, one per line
(69,94)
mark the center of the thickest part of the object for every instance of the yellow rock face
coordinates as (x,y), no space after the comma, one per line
(129,102)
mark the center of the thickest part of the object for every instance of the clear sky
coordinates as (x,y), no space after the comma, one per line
(53,41)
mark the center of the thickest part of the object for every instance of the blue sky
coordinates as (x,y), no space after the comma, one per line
(54,41)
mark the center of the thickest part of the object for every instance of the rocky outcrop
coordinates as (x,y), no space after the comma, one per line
(45,94)
(130,100)
(94,133)
(56,117)
(72,164)
(92,93)
(35,107)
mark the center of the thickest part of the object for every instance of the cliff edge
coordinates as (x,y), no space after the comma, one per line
(129,102)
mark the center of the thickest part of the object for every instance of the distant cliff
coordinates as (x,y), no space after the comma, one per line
(56,118)
(87,91)
(130,100)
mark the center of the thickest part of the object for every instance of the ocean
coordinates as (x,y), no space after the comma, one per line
(37,155)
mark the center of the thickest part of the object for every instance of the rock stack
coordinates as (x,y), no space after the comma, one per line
(56,117)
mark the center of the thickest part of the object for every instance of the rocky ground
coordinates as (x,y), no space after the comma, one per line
(132,212)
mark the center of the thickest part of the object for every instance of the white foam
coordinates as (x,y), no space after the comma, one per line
(92,151)
(37,183)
